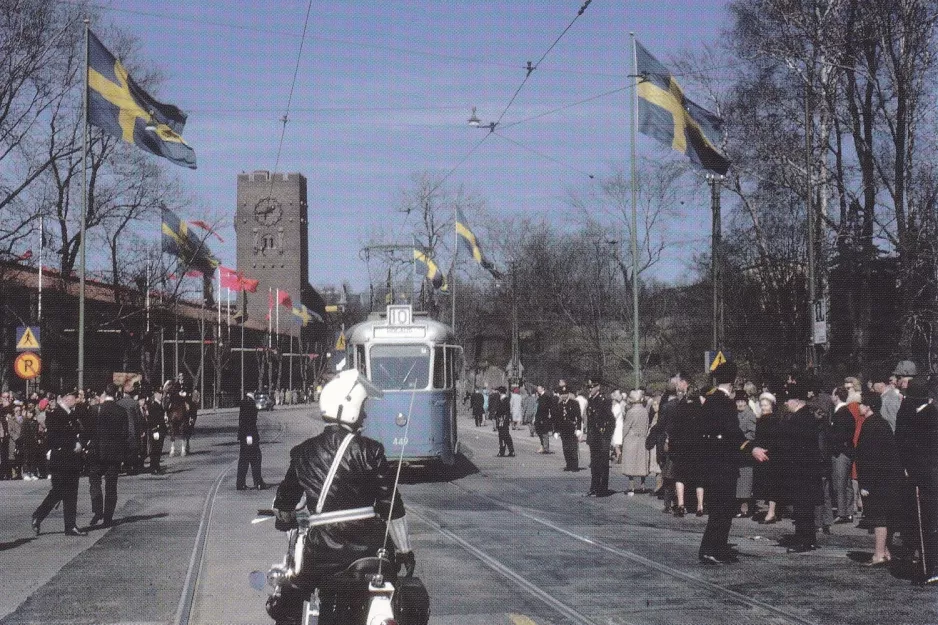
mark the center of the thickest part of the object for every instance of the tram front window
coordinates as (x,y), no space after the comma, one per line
(397,367)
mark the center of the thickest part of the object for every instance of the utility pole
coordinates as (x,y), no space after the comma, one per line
(716,260)
(809,209)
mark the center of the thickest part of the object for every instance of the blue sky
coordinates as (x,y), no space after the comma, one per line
(384,90)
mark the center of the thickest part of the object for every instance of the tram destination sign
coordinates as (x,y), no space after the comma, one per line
(400,332)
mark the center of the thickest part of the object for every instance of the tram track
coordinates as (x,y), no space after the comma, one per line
(196,561)
(778,615)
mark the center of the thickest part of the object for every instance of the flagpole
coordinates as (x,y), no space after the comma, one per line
(413,273)
(636,364)
(42,237)
(243,322)
(452,272)
(84,212)
(218,371)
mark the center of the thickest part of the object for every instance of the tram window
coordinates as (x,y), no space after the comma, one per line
(439,368)
(399,367)
(360,358)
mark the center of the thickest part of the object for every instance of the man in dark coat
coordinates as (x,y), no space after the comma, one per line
(63,435)
(800,464)
(500,409)
(107,450)
(660,434)
(598,437)
(917,440)
(136,424)
(719,443)
(477,404)
(156,429)
(543,418)
(840,447)
(569,424)
(249,438)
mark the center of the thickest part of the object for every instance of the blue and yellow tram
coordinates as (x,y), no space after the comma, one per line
(416,362)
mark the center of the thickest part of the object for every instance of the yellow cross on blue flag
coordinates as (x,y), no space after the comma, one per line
(468,240)
(433,272)
(304,315)
(118,106)
(179,241)
(666,115)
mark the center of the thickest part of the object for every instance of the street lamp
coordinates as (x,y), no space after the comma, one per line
(475,122)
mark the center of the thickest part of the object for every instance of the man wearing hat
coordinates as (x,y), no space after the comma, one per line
(501,414)
(800,462)
(569,423)
(719,442)
(599,436)
(917,440)
(63,434)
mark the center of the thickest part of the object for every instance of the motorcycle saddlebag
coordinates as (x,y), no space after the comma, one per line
(412,602)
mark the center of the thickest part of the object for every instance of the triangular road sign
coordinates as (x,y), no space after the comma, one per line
(28,341)
(718,360)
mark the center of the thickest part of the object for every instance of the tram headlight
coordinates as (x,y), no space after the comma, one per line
(400,420)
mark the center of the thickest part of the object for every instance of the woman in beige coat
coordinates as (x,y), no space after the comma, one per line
(634,432)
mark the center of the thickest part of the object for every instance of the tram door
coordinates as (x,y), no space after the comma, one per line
(447,363)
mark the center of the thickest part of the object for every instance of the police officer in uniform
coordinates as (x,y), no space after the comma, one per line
(63,434)
(569,423)
(107,451)
(501,414)
(719,443)
(917,440)
(363,478)
(599,436)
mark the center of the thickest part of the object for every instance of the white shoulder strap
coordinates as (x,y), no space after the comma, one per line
(327,484)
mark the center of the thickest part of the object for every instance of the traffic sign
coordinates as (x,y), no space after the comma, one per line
(27,338)
(712,360)
(27,365)
(819,327)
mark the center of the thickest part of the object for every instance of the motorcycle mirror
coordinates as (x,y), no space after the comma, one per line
(257,580)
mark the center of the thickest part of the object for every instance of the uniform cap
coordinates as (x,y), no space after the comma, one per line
(796,391)
(594,380)
(725,373)
(561,390)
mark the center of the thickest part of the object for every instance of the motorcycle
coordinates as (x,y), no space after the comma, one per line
(362,594)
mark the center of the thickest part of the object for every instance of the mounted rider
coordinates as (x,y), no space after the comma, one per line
(340,470)
(179,397)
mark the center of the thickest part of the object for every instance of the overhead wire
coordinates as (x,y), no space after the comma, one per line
(347,42)
(542,155)
(286,115)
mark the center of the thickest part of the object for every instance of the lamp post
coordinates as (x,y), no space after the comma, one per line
(716,259)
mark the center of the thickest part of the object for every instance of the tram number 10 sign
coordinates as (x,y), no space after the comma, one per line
(400,315)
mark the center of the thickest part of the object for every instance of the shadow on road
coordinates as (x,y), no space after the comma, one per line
(131,518)
(439,472)
(19,542)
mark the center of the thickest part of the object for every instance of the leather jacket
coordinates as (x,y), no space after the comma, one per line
(364,478)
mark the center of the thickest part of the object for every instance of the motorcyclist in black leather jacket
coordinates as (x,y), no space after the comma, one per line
(362,478)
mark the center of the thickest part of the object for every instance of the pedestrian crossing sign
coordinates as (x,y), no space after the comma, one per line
(340,343)
(27,338)
(713,359)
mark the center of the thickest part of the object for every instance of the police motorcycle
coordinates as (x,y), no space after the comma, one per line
(367,592)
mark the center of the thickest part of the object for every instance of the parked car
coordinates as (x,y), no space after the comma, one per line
(263,401)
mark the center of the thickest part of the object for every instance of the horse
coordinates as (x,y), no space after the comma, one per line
(180,413)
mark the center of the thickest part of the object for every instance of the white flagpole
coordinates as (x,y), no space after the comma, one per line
(84,212)
(42,237)
(636,355)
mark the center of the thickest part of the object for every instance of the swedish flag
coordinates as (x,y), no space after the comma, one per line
(433,271)
(468,240)
(118,106)
(304,315)
(666,115)
(187,247)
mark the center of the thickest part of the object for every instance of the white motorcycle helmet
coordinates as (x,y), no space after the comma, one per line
(342,398)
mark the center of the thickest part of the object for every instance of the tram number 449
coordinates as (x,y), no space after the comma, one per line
(400,441)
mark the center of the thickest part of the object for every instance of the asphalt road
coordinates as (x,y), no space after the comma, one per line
(498,540)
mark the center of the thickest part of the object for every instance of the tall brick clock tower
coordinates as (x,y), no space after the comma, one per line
(272,226)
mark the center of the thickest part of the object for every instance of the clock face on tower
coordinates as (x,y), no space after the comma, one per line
(268,212)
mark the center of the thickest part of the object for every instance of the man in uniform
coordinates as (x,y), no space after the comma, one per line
(569,423)
(719,443)
(917,440)
(500,409)
(598,437)
(136,423)
(366,479)
(63,435)
(477,405)
(249,438)
(108,446)
(156,429)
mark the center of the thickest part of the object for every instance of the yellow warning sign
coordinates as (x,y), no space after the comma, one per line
(718,360)
(27,365)
(28,340)
(340,343)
